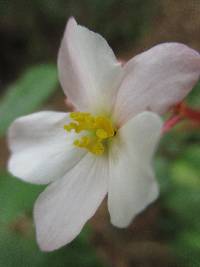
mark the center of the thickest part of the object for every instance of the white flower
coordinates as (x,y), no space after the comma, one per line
(106,147)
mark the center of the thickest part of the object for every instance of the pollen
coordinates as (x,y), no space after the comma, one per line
(97,131)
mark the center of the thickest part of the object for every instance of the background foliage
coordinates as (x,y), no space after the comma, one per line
(168,233)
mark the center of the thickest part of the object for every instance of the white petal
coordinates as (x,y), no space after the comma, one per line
(132,184)
(64,207)
(157,79)
(88,70)
(41,150)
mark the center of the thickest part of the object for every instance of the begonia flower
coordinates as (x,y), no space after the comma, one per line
(106,146)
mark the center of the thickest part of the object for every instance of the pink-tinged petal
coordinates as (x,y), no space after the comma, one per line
(64,207)
(88,70)
(132,186)
(156,80)
(41,150)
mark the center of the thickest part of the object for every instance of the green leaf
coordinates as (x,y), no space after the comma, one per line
(27,94)
(184,174)
(185,170)
(16,197)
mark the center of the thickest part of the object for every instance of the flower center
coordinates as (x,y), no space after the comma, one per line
(98,130)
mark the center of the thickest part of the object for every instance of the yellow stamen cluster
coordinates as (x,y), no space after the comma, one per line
(98,130)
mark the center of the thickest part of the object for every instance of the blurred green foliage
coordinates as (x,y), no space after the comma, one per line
(178,170)
(27,94)
(17,240)
(31,32)
(194,97)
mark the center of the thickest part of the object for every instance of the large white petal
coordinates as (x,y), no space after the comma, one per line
(157,79)
(64,207)
(88,70)
(132,185)
(41,150)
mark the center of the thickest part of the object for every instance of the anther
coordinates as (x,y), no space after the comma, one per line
(98,128)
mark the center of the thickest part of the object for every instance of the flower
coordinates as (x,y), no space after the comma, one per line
(105,146)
